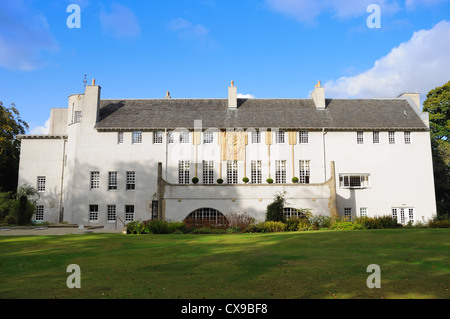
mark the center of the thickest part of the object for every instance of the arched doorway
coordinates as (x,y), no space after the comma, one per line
(206,215)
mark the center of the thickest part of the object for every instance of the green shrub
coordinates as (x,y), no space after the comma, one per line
(304,224)
(439,223)
(22,210)
(292,223)
(207,230)
(239,220)
(319,221)
(233,230)
(269,180)
(272,227)
(275,211)
(219,181)
(342,225)
(378,222)
(245,179)
(294,179)
(195,180)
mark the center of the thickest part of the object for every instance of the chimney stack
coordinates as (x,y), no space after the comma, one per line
(318,95)
(415,97)
(167,95)
(232,96)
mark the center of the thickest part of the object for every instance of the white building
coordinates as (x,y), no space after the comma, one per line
(136,159)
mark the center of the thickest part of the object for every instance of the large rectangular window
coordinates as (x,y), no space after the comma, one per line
(232,172)
(376,137)
(208,137)
(111,213)
(256,137)
(280,171)
(157,137)
(131,180)
(137,137)
(391,137)
(183,172)
(129,213)
(354,180)
(184,137)
(360,137)
(40,212)
(208,172)
(256,176)
(347,213)
(95,180)
(280,137)
(41,183)
(112,180)
(303,137)
(305,171)
(93,212)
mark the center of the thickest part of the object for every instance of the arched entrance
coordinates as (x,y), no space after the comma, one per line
(206,216)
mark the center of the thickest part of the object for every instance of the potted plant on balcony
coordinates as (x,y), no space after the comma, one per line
(269,180)
(219,181)
(294,179)
(195,179)
(245,180)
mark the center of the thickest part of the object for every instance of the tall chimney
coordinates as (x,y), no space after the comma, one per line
(167,95)
(318,95)
(232,96)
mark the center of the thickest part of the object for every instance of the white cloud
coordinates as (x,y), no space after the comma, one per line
(308,10)
(418,65)
(187,31)
(41,129)
(25,37)
(245,96)
(121,22)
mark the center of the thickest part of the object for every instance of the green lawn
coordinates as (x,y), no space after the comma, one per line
(415,263)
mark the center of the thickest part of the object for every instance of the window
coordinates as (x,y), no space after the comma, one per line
(170,137)
(210,214)
(305,172)
(411,214)
(40,212)
(407,137)
(119,137)
(256,137)
(256,172)
(376,137)
(137,137)
(129,213)
(363,212)
(394,213)
(354,180)
(403,215)
(78,116)
(280,171)
(184,137)
(292,213)
(157,137)
(111,213)
(303,137)
(41,183)
(360,137)
(232,172)
(131,180)
(95,180)
(208,137)
(347,213)
(391,137)
(183,172)
(93,212)
(208,172)
(112,180)
(279,137)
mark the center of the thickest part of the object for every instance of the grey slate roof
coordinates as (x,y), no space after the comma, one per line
(343,114)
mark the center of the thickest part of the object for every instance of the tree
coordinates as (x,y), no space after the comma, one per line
(11,125)
(275,210)
(437,105)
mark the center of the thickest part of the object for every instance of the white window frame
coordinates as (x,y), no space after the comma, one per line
(95,180)
(111,213)
(354,181)
(131,180)
(208,137)
(184,137)
(41,181)
(280,171)
(256,172)
(304,171)
(112,180)
(347,212)
(157,137)
(39,212)
(407,137)
(93,213)
(363,212)
(183,172)
(137,137)
(232,172)
(120,137)
(129,213)
(403,215)
(360,137)
(303,137)
(208,172)
(78,116)
(280,137)
(256,137)
(391,135)
(376,137)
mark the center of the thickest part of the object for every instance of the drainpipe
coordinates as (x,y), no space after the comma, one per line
(62,182)
(324,156)
(167,143)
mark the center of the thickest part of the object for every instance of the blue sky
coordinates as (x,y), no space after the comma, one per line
(270,48)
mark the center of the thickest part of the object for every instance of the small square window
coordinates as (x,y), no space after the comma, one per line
(303,137)
(256,137)
(184,137)
(280,137)
(208,137)
(157,137)
(137,137)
